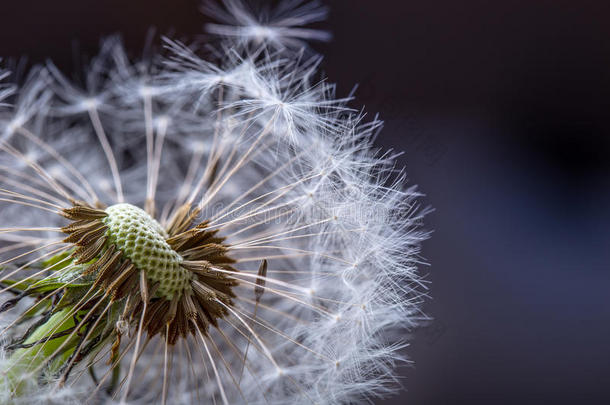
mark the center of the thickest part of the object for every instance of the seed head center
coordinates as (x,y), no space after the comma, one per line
(142,240)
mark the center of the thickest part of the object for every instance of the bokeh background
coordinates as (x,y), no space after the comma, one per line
(503,111)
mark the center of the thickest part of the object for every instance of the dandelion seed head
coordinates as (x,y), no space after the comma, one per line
(187,230)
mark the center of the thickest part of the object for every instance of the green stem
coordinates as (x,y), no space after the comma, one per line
(24,362)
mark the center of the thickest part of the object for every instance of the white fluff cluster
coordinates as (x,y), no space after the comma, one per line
(280,27)
(5,90)
(278,164)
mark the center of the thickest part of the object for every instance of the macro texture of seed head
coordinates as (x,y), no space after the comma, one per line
(142,240)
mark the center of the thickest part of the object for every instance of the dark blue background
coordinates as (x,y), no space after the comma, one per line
(503,110)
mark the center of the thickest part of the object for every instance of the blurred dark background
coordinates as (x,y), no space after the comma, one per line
(503,110)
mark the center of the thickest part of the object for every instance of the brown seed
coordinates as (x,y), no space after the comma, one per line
(260,282)
(81,212)
(87,253)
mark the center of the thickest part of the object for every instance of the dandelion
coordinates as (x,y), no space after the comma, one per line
(180,230)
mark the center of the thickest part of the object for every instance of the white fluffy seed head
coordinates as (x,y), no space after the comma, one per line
(284,170)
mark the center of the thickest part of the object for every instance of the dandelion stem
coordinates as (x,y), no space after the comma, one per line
(25,360)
